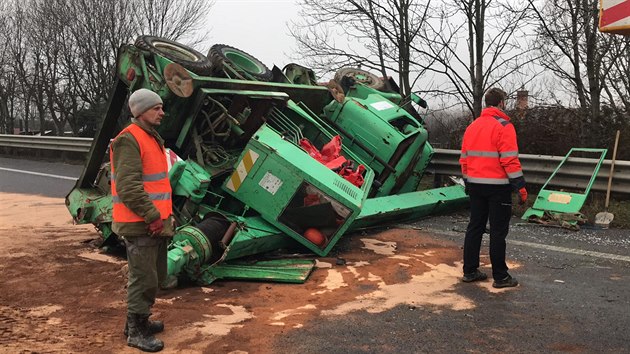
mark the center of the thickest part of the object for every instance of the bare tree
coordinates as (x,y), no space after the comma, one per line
(90,58)
(496,48)
(572,48)
(617,85)
(7,77)
(96,37)
(172,19)
(58,57)
(373,35)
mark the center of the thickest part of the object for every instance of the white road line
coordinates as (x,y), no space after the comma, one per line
(610,256)
(571,250)
(39,174)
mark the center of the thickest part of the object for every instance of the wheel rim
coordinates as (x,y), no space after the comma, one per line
(175,51)
(362,78)
(242,61)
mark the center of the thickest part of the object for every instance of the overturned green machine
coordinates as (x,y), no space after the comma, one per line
(265,160)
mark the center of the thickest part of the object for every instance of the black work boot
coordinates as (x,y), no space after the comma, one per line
(154,327)
(474,276)
(139,336)
(507,282)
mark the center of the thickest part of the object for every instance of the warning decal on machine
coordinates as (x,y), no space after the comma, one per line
(381,105)
(242,170)
(270,183)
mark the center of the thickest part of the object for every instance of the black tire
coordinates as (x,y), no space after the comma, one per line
(221,55)
(214,227)
(361,76)
(178,53)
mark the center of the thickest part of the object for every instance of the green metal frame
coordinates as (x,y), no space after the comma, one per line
(554,201)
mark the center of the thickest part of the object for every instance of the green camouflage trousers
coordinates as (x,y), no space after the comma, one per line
(146,257)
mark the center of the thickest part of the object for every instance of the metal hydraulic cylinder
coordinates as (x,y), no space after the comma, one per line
(189,250)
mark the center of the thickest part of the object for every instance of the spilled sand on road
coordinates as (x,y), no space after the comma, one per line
(58,290)
(23,210)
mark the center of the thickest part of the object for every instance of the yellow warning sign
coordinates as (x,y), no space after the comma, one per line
(243,168)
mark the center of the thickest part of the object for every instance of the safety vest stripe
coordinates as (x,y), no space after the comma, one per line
(482,153)
(502,121)
(154,177)
(463,155)
(159,196)
(152,196)
(148,178)
(515,174)
(509,153)
(488,180)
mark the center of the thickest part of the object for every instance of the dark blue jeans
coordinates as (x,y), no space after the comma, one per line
(493,203)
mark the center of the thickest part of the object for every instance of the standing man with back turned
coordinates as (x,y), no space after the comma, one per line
(142,209)
(491,170)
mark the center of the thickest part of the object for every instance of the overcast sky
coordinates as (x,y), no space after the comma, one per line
(259,27)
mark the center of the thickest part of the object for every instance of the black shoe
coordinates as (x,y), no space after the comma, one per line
(507,282)
(474,276)
(139,336)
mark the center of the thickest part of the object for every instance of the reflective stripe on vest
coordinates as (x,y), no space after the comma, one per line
(482,180)
(154,177)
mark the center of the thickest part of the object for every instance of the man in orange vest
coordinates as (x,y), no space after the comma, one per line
(142,209)
(491,170)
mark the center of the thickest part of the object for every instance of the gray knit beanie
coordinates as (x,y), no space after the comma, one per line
(142,100)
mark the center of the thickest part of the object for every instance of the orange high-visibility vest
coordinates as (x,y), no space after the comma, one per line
(154,177)
(489,152)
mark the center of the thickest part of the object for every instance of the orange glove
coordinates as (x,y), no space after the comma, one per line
(155,227)
(522,193)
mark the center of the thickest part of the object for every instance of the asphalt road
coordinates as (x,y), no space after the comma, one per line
(574,294)
(573,297)
(50,179)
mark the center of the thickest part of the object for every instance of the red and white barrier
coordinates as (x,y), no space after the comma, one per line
(614,16)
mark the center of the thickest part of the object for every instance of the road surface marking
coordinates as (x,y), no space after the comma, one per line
(579,252)
(39,174)
(572,251)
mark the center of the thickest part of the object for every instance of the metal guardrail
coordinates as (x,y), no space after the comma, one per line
(537,168)
(46,142)
(575,174)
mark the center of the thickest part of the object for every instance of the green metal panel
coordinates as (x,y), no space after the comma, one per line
(383,135)
(274,185)
(411,178)
(410,206)
(371,120)
(255,236)
(562,201)
(91,206)
(281,270)
(250,93)
(190,252)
